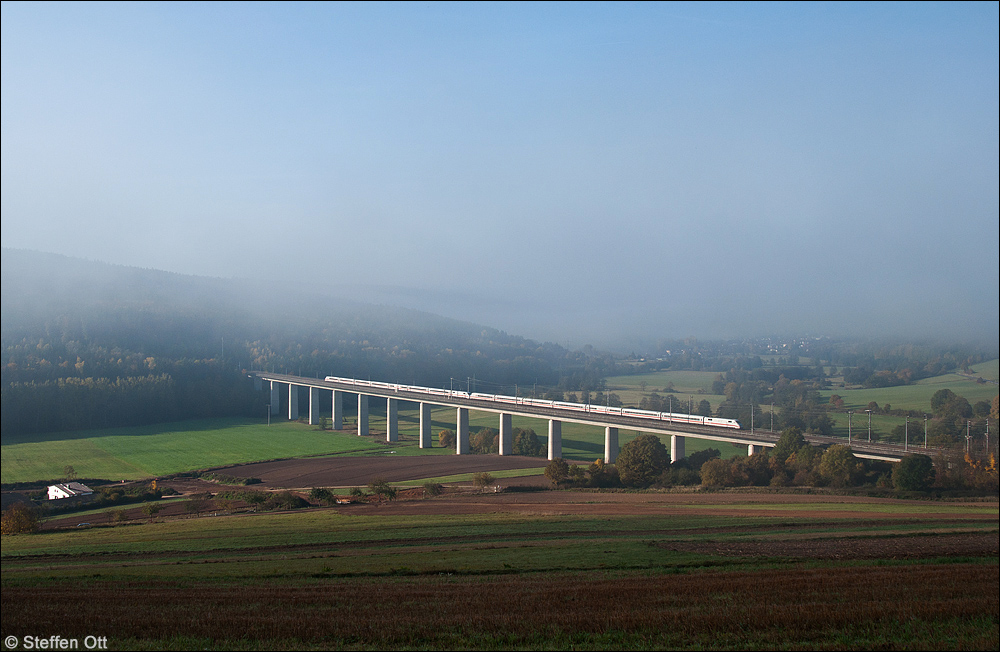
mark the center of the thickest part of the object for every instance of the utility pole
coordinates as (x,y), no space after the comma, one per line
(869,425)
(849,413)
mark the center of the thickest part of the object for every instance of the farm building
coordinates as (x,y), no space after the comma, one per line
(69,490)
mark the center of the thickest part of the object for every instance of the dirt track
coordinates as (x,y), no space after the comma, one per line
(349,472)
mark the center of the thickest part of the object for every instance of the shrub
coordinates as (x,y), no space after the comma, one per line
(432,489)
(323,496)
(602,475)
(447,439)
(482,480)
(284,500)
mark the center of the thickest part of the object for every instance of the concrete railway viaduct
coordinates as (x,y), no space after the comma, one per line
(753,439)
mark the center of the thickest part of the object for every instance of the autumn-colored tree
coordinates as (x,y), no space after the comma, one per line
(557,471)
(20,518)
(839,467)
(717,473)
(982,473)
(447,438)
(485,441)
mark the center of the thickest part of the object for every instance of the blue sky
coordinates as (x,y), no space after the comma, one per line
(578,172)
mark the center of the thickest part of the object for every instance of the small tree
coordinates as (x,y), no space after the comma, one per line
(790,442)
(642,461)
(380,487)
(913,473)
(69,473)
(151,510)
(526,442)
(557,471)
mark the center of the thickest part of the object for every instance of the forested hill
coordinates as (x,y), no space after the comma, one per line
(80,338)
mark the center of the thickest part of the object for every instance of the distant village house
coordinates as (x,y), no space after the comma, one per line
(69,490)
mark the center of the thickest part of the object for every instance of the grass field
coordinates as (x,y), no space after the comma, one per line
(133,453)
(150,451)
(917,396)
(739,573)
(688,385)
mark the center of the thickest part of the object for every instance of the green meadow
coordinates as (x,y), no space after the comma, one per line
(149,451)
(918,395)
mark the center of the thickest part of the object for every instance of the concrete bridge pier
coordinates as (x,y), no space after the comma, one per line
(610,445)
(676,448)
(293,402)
(426,437)
(275,397)
(506,435)
(337,410)
(392,419)
(462,432)
(313,406)
(555,439)
(754,448)
(362,414)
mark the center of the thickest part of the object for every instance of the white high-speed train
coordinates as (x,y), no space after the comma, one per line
(672,417)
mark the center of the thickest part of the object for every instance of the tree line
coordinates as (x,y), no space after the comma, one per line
(793,462)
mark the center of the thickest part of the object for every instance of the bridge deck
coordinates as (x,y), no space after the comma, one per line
(880,451)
